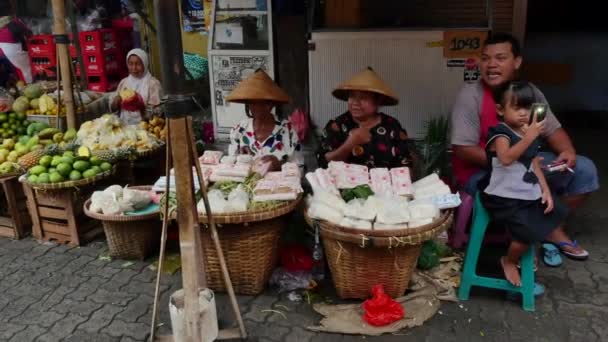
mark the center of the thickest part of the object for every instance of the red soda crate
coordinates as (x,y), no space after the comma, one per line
(103,83)
(44,65)
(98,41)
(41,45)
(110,62)
(125,39)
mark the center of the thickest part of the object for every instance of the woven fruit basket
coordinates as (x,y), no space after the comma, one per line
(359,259)
(130,236)
(250,242)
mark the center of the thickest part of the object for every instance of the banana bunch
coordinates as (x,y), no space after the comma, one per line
(156,126)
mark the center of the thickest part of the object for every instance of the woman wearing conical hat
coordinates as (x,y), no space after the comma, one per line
(261,134)
(363,135)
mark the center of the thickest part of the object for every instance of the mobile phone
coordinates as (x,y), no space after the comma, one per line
(541,112)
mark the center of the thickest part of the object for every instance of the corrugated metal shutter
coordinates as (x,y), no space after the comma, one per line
(415,71)
(417,13)
(503,15)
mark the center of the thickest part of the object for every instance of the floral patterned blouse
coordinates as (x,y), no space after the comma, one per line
(389,145)
(282,142)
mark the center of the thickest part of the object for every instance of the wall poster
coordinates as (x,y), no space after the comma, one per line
(228,71)
(193,15)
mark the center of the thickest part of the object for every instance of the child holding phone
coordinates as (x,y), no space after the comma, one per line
(517,195)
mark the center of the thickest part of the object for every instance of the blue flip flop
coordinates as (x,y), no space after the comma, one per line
(584,255)
(539,290)
(551,255)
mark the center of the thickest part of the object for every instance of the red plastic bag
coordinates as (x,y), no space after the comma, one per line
(299,122)
(296,258)
(134,104)
(381,309)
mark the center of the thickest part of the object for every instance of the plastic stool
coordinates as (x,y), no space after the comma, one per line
(469,276)
(458,234)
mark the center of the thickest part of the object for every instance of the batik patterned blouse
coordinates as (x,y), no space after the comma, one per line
(282,142)
(388,147)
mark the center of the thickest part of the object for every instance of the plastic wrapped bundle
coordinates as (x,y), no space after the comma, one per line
(326,181)
(211,157)
(217,203)
(137,199)
(238,200)
(394,211)
(401,180)
(428,180)
(423,209)
(330,200)
(355,223)
(360,209)
(320,211)
(380,181)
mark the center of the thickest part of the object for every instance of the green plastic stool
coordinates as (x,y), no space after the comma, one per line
(469,277)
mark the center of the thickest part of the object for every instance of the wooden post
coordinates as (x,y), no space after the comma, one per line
(193,269)
(64,60)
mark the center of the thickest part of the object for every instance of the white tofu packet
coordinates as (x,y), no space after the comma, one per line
(360,209)
(330,200)
(354,223)
(217,203)
(423,209)
(320,211)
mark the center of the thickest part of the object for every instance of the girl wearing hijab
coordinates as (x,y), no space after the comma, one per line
(138,94)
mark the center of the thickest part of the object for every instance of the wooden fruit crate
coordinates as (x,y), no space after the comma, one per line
(15,221)
(58,215)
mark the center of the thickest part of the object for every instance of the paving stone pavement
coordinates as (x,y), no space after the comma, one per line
(56,293)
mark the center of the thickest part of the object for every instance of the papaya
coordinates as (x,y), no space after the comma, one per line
(48,133)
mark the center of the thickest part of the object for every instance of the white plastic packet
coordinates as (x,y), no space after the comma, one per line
(330,200)
(217,203)
(322,212)
(394,211)
(355,223)
(137,199)
(238,200)
(360,209)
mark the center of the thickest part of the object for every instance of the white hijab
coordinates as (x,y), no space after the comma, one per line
(140,85)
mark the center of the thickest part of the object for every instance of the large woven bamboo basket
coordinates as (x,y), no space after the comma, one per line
(130,236)
(359,259)
(250,248)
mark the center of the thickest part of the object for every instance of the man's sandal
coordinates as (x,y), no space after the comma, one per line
(580,256)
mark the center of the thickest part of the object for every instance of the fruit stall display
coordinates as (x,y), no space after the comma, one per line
(36,138)
(139,152)
(35,101)
(51,166)
(56,186)
(157,126)
(109,133)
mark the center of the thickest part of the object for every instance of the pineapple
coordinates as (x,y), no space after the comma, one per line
(31,159)
(105,155)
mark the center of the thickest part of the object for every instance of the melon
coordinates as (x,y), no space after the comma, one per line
(32,91)
(34,104)
(20,106)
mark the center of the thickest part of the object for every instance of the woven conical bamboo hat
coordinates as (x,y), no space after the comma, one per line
(367,80)
(258,86)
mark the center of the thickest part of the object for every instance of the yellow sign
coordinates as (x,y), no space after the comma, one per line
(463,44)
(434,44)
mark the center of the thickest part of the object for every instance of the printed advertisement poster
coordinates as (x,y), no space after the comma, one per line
(228,71)
(193,15)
